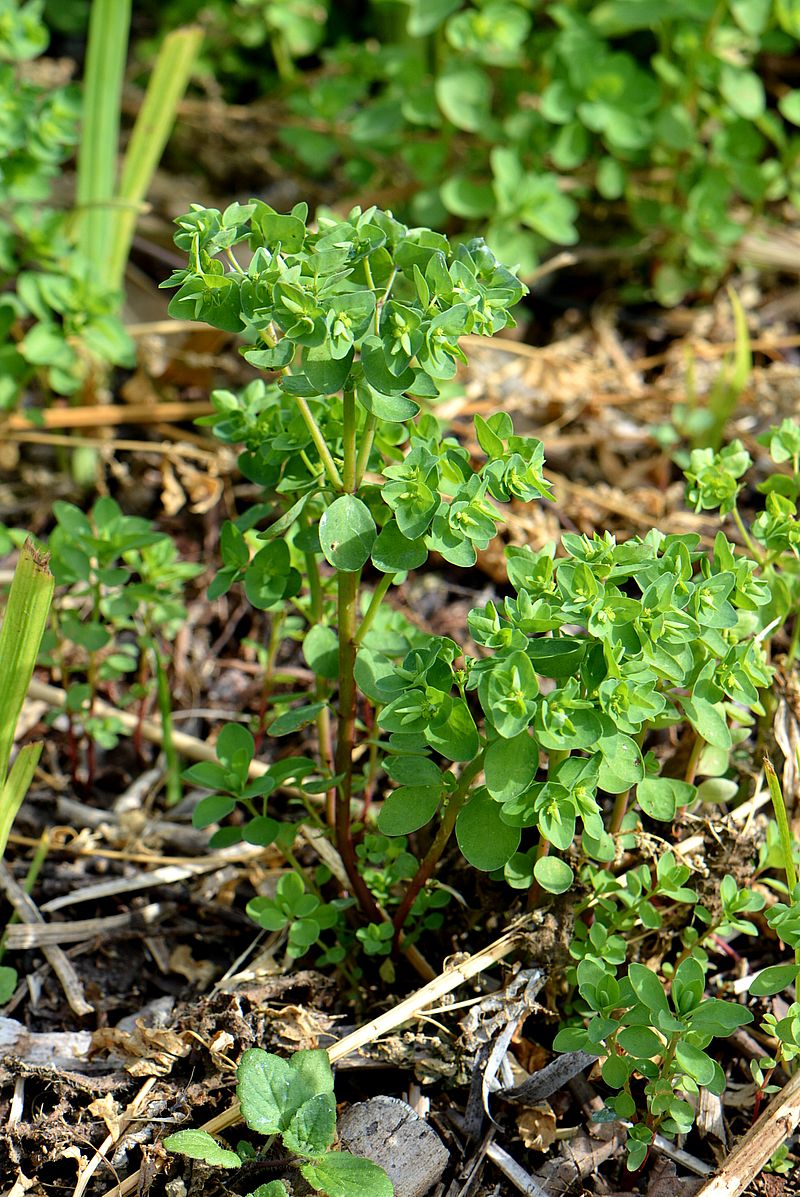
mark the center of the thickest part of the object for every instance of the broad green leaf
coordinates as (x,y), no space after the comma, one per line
(511,766)
(409,808)
(327,374)
(719,1018)
(212,810)
(695,1062)
(312,1129)
(347,533)
(339,1174)
(553,874)
(774,979)
(621,764)
(485,841)
(457,737)
(321,651)
(640,1042)
(464,94)
(660,797)
(395,553)
(292,720)
(274,1188)
(8,983)
(199,1145)
(744,92)
(648,988)
(271,1090)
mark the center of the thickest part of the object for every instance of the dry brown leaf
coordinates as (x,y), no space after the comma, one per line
(199,972)
(537,1126)
(111,1113)
(173,496)
(152,1051)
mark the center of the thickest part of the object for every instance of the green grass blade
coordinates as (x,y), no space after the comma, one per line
(106,54)
(779,807)
(20,638)
(15,789)
(733,377)
(165,90)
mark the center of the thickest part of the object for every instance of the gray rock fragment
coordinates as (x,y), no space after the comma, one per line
(387,1131)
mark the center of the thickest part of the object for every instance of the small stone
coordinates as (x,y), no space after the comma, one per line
(387,1131)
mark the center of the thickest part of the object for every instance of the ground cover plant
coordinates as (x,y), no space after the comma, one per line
(540,751)
(648,126)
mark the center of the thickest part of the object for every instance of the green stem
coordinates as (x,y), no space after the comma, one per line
(452,806)
(345,741)
(779,807)
(164,699)
(374,603)
(750,544)
(365,447)
(349,427)
(535,891)
(619,812)
(694,758)
(323,720)
(320,443)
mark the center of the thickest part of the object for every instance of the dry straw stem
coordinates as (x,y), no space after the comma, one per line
(402,1013)
(109,414)
(758,1146)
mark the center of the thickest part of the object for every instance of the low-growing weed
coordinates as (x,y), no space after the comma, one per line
(610,687)
(291,1100)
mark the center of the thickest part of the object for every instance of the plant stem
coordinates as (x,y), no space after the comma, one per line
(694,758)
(453,805)
(779,807)
(164,699)
(619,812)
(374,603)
(535,891)
(348,587)
(323,720)
(750,544)
(365,448)
(345,740)
(320,443)
(31,877)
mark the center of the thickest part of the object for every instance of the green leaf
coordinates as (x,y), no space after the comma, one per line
(276,358)
(719,1018)
(621,764)
(774,979)
(339,1174)
(347,533)
(743,91)
(199,1145)
(485,841)
(409,808)
(235,748)
(293,720)
(328,375)
(789,105)
(640,1042)
(271,1090)
(394,553)
(695,1062)
(660,797)
(553,874)
(212,810)
(394,409)
(464,94)
(275,1188)
(511,766)
(321,651)
(648,988)
(8,983)
(312,1130)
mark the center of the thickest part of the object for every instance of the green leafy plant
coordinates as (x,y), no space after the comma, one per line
(122,603)
(535,123)
(291,1100)
(715,481)
(535,755)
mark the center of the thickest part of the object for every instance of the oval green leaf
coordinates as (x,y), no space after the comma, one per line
(347,533)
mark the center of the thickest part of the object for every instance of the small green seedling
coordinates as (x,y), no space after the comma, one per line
(291,1100)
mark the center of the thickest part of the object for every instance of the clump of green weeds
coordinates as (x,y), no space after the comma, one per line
(120,607)
(610,687)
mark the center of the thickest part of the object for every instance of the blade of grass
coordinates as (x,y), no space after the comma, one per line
(20,638)
(165,90)
(15,789)
(733,376)
(106,54)
(779,807)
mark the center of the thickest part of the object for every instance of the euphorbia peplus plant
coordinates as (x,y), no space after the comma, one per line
(360,322)
(520,749)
